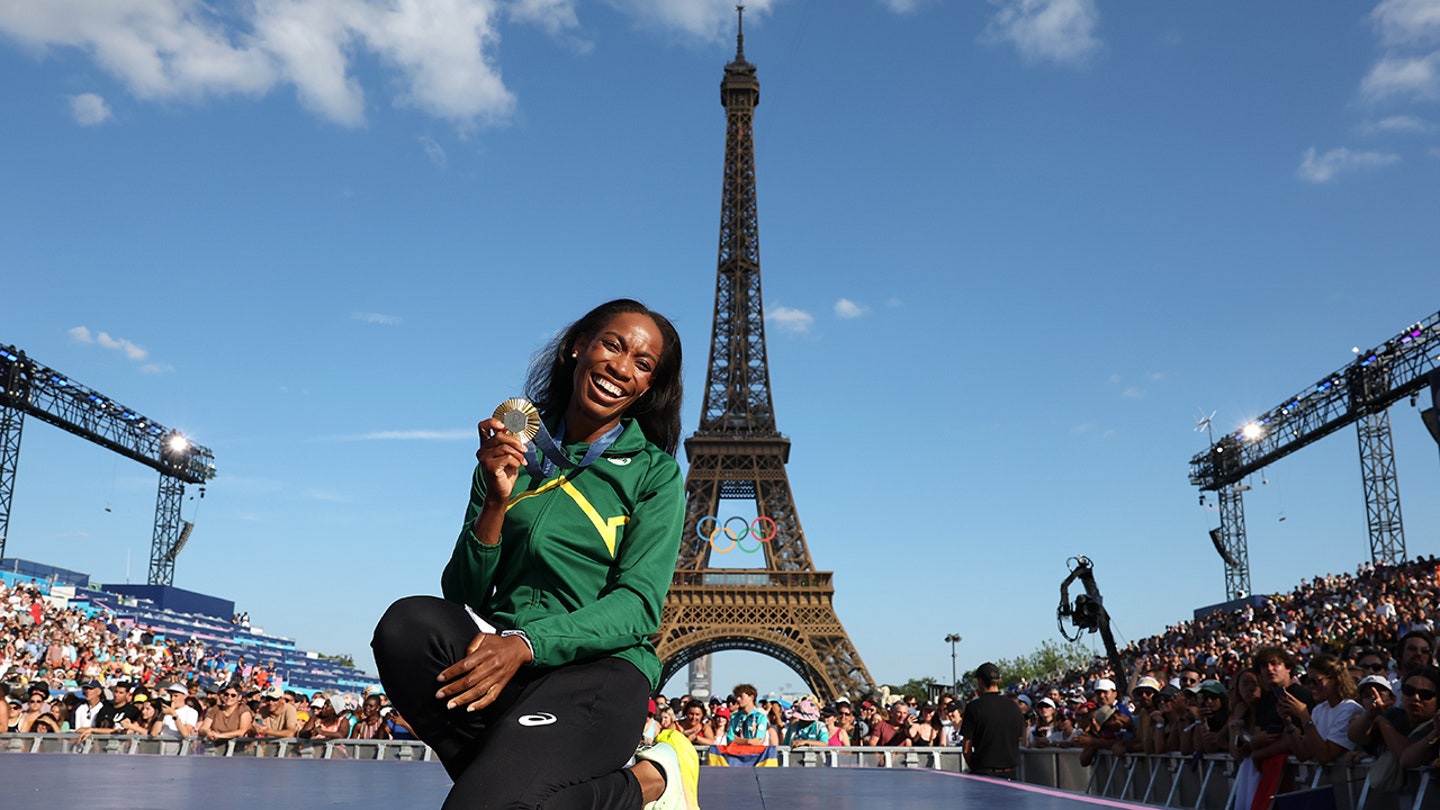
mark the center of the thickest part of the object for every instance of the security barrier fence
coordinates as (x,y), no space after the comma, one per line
(1159,780)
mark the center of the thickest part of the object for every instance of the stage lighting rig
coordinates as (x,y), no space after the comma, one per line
(28,387)
(1359,393)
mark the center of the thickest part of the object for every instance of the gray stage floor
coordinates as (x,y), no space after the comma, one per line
(58,781)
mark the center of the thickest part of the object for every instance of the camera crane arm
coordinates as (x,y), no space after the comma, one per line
(1089,614)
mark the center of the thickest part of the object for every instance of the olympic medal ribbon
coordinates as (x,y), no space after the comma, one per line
(554,456)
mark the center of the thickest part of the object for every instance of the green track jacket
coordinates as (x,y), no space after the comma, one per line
(585,557)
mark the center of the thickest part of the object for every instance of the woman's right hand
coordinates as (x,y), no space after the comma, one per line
(501,455)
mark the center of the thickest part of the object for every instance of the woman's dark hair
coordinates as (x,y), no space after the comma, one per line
(551,380)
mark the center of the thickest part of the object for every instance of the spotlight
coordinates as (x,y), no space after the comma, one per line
(177,443)
(1252,431)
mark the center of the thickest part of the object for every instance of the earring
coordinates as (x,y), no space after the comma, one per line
(574,355)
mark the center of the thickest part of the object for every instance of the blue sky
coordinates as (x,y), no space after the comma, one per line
(324,236)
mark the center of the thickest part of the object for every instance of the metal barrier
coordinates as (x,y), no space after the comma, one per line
(1159,780)
(397,750)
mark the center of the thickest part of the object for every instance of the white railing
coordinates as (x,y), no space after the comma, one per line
(399,750)
(1159,780)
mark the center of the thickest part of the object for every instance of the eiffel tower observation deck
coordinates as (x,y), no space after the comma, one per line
(737,458)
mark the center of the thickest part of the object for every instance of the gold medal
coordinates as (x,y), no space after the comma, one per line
(520,418)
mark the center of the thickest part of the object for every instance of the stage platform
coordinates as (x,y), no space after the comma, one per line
(59,781)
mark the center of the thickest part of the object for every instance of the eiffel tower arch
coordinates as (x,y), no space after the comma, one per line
(737,455)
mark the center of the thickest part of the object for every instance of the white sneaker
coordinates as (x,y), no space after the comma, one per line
(680,781)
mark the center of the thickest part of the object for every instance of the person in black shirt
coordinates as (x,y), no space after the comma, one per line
(992,728)
(107,720)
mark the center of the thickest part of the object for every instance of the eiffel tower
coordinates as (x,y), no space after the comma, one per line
(783,610)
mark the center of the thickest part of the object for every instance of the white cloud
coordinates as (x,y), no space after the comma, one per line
(906,6)
(1059,31)
(377,318)
(88,110)
(156,368)
(80,334)
(705,19)
(790,320)
(1404,76)
(434,151)
(1400,124)
(845,308)
(442,50)
(1132,393)
(1407,22)
(1324,168)
(554,16)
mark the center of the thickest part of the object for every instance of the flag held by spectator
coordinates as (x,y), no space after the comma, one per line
(742,756)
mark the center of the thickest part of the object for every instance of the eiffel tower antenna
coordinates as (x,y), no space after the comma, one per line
(784,609)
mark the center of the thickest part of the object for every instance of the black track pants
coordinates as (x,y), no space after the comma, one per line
(555,738)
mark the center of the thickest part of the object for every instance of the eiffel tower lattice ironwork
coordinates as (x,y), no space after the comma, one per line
(784,609)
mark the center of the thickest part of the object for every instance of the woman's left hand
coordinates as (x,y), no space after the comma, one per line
(476,680)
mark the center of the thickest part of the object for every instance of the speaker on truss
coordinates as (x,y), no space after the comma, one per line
(1220,548)
(185,528)
(1429,415)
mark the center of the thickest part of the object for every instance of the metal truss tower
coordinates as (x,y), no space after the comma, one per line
(1360,393)
(27,387)
(1382,490)
(784,609)
(1232,535)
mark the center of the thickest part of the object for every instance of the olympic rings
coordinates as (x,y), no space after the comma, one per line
(752,528)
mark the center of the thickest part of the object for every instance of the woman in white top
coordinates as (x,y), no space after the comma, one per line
(1320,734)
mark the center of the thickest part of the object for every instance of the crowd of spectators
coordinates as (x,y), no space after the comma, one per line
(64,670)
(1341,666)
(1340,669)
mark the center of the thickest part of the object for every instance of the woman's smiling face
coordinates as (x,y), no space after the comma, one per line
(613,369)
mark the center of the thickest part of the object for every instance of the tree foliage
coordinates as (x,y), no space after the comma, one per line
(1049,662)
(344,659)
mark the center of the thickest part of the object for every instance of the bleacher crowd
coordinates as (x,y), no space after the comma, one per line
(1342,666)
(75,667)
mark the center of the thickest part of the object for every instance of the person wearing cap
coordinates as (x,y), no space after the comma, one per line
(177,719)
(86,712)
(277,716)
(991,728)
(1038,735)
(806,729)
(1143,694)
(1110,734)
(1375,696)
(1208,734)
(715,730)
(109,720)
(327,720)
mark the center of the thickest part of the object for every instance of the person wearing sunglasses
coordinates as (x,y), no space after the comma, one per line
(1413,719)
(231,719)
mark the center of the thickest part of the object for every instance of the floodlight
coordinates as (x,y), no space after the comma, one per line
(1252,431)
(177,443)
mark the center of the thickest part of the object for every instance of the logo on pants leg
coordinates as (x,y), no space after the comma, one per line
(537,719)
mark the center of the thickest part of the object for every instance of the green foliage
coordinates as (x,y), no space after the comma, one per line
(918,688)
(344,659)
(1049,662)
